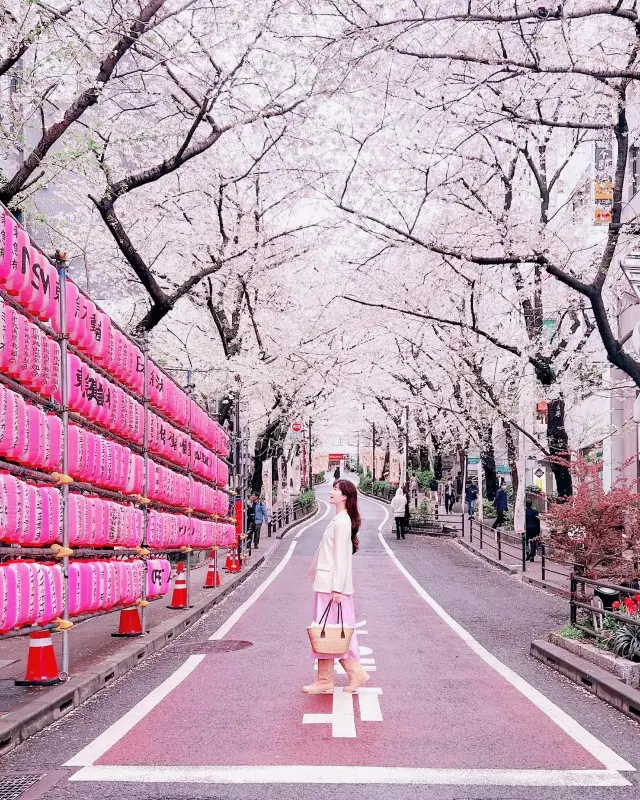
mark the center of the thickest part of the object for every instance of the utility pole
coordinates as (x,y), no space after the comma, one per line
(373,460)
(406,446)
(310,459)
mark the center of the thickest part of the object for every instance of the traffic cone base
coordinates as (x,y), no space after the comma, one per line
(212,576)
(130,624)
(179,596)
(42,667)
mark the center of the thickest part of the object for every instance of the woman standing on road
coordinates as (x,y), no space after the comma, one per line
(331,573)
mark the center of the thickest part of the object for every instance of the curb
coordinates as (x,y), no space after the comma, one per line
(548,587)
(511,569)
(596,680)
(17,726)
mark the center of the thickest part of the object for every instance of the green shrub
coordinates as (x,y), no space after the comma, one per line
(424,478)
(307,499)
(571,632)
(365,484)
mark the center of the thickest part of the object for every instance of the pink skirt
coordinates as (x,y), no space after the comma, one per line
(349,616)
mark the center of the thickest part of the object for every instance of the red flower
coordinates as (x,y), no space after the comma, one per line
(629,605)
(636,597)
(616,605)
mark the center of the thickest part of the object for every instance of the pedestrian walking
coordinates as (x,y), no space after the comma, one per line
(398,509)
(458,486)
(414,488)
(332,575)
(260,515)
(531,529)
(449,497)
(470,497)
(251,517)
(433,489)
(407,509)
(336,474)
(501,506)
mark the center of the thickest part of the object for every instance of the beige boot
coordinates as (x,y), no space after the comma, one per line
(357,676)
(324,683)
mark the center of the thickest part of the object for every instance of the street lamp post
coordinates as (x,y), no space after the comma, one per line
(310,459)
(406,446)
(373,460)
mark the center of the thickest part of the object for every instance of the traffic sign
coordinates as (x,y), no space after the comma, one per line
(296,427)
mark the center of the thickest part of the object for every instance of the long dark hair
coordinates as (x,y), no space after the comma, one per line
(349,490)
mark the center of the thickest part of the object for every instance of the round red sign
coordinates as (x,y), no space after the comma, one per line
(296,427)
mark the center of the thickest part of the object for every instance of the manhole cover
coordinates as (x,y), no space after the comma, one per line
(205,647)
(12,786)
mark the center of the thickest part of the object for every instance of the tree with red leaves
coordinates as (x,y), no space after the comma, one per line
(598,531)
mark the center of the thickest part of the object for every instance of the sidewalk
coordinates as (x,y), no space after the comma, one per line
(97,658)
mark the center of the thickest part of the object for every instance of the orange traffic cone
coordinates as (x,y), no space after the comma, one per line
(229,561)
(42,667)
(130,624)
(179,596)
(236,567)
(213,576)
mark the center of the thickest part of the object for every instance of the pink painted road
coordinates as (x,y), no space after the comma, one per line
(438,707)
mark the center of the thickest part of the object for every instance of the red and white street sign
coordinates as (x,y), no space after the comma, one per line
(296,427)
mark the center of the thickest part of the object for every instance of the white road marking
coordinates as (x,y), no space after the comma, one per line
(370,710)
(302,530)
(98,747)
(365,651)
(353,775)
(588,741)
(224,629)
(361,624)
(341,719)
(344,722)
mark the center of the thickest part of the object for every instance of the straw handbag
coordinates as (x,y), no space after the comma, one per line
(330,639)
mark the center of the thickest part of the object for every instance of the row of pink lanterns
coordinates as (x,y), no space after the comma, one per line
(178,530)
(95,522)
(30,593)
(28,355)
(30,514)
(24,271)
(28,435)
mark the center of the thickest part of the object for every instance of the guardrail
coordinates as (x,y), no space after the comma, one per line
(288,514)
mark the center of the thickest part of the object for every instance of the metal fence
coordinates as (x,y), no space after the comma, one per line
(287,514)
(586,595)
(510,547)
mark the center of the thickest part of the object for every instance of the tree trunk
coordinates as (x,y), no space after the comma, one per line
(558,441)
(424,462)
(385,466)
(268,441)
(437,457)
(488,463)
(512,455)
